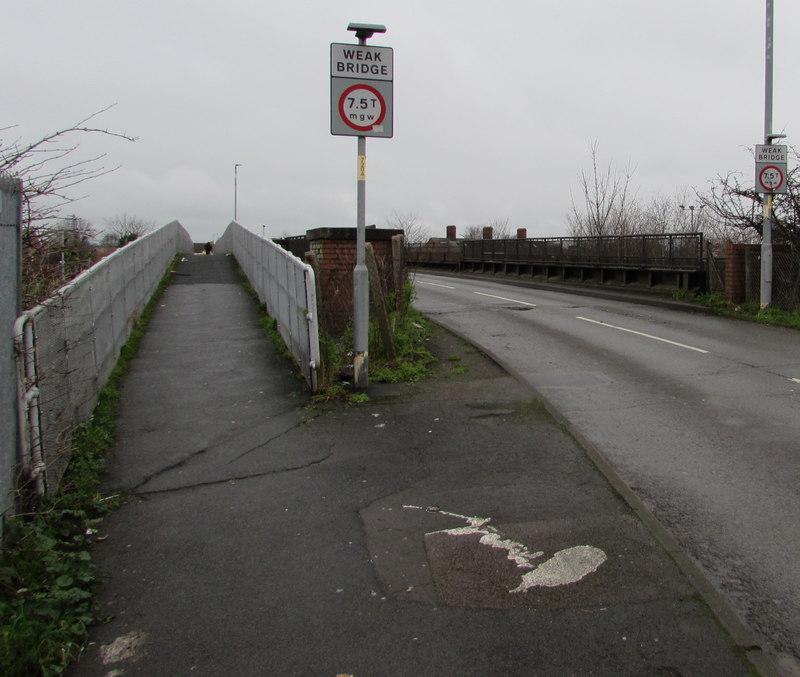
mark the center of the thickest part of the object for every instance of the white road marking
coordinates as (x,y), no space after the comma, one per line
(639,333)
(796,380)
(434,284)
(563,568)
(503,298)
(126,647)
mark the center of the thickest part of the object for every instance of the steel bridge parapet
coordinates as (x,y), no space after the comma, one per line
(672,260)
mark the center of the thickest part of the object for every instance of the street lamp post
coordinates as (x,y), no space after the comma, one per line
(691,209)
(236,190)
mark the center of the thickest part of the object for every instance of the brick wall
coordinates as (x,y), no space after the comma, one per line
(735,272)
(334,257)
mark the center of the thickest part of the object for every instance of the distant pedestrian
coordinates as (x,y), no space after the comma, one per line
(209,248)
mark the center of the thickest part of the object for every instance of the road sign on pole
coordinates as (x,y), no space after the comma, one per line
(362,90)
(771,168)
(361,106)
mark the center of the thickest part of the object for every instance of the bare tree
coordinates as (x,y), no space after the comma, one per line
(124,228)
(736,209)
(500,229)
(472,233)
(50,171)
(606,207)
(414,231)
(61,252)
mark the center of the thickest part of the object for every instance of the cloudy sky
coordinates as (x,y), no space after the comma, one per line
(495,104)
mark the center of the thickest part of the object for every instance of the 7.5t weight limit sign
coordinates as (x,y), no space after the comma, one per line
(771,168)
(362,107)
(361,90)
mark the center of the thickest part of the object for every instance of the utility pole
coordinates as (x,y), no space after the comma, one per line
(766,222)
(236,190)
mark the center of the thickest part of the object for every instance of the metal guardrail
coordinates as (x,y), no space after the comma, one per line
(287,287)
(67,346)
(677,251)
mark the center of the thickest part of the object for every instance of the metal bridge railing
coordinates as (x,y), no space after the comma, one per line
(668,251)
(672,251)
(287,287)
(67,346)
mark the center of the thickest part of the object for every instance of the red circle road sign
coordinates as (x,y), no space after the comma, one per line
(770,178)
(362,107)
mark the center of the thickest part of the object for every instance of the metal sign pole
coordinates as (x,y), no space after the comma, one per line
(361,274)
(361,105)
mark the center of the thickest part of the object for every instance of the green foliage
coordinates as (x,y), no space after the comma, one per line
(748,311)
(270,325)
(458,366)
(684,295)
(411,331)
(47,577)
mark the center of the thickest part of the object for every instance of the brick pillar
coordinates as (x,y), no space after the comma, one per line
(488,233)
(334,255)
(734,272)
(451,232)
(522,233)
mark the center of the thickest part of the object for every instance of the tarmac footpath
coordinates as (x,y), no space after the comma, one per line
(448,527)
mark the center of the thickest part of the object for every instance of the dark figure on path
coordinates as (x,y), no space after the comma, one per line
(209,248)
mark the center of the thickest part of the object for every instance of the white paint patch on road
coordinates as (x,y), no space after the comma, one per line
(639,333)
(123,648)
(795,380)
(503,298)
(571,565)
(433,284)
(563,568)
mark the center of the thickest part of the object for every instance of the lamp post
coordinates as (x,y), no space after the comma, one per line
(236,190)
(765,290)
(691,209)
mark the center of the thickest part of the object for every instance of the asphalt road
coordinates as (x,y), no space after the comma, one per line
(698,414)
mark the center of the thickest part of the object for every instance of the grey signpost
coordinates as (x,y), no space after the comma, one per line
(770,167)
(361,106)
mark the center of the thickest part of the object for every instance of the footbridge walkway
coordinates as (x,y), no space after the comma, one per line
(443,528)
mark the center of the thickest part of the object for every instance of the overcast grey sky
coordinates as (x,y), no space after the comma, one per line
(495,105)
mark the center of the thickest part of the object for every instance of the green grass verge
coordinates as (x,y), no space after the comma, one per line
(752,311)
(47,576)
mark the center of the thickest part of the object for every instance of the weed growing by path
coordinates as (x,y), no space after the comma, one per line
(47,577)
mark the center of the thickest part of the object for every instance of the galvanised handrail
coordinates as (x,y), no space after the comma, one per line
(287,287)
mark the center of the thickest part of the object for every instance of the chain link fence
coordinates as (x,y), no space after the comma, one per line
(67,346)
(785,277)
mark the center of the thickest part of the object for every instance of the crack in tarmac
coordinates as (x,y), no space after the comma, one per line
(238,478)
(200,452)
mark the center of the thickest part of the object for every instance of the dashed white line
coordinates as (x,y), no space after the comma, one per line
(796,380)
(503,298)
(639,333)
(433,284)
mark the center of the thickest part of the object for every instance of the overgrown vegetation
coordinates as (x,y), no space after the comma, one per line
(47,577)
(751,311)
(410,330)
